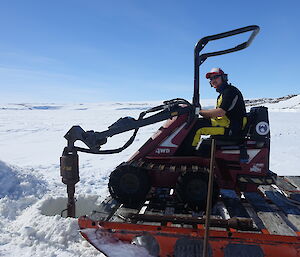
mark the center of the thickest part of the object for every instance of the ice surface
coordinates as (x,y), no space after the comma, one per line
(32,195)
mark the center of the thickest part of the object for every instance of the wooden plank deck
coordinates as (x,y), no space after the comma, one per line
(273,209)
(271,219)
(289,208)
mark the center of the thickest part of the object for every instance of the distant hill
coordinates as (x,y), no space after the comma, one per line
(252,102)
(285,102)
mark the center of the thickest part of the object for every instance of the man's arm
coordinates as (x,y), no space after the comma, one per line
(213,113)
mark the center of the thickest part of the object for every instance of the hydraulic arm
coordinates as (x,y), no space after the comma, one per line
(94,140)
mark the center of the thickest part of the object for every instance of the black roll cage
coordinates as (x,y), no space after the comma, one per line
(200,59)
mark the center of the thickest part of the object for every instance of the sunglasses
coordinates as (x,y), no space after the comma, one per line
(214,77)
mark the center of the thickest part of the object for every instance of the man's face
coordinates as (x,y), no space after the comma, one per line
(216,81)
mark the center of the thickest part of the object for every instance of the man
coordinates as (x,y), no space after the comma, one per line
(228,116)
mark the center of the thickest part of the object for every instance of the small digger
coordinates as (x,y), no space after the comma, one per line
(165,183)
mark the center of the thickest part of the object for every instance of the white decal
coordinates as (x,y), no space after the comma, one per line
(262,128)
(162,150)
(168,141)
(257,167)
(251,152)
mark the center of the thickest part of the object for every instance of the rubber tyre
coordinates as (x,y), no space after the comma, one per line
(129,185)
(191,189)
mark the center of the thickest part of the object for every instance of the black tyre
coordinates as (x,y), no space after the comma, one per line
(129,185)
(191,188)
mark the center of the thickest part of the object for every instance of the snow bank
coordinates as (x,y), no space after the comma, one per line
(18,190)
(39,235)
(15,183)
(32,220)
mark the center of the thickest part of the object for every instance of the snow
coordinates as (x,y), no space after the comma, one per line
(32,195)
(106,243)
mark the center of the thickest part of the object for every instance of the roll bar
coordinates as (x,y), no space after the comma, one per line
(200,59)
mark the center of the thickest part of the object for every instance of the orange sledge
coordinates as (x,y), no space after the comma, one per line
(264,223)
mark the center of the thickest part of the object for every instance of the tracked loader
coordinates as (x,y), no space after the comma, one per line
(171,199)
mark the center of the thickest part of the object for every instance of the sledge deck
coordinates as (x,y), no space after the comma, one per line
(262,223)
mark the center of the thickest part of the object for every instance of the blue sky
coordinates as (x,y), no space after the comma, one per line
(122,50)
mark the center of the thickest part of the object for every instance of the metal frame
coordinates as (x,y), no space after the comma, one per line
(200,59)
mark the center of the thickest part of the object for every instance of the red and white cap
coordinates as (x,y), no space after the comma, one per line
(214,71)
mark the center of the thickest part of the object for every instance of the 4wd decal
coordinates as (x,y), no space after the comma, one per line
(162,150)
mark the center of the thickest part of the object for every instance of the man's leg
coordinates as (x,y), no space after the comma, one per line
(209,129)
